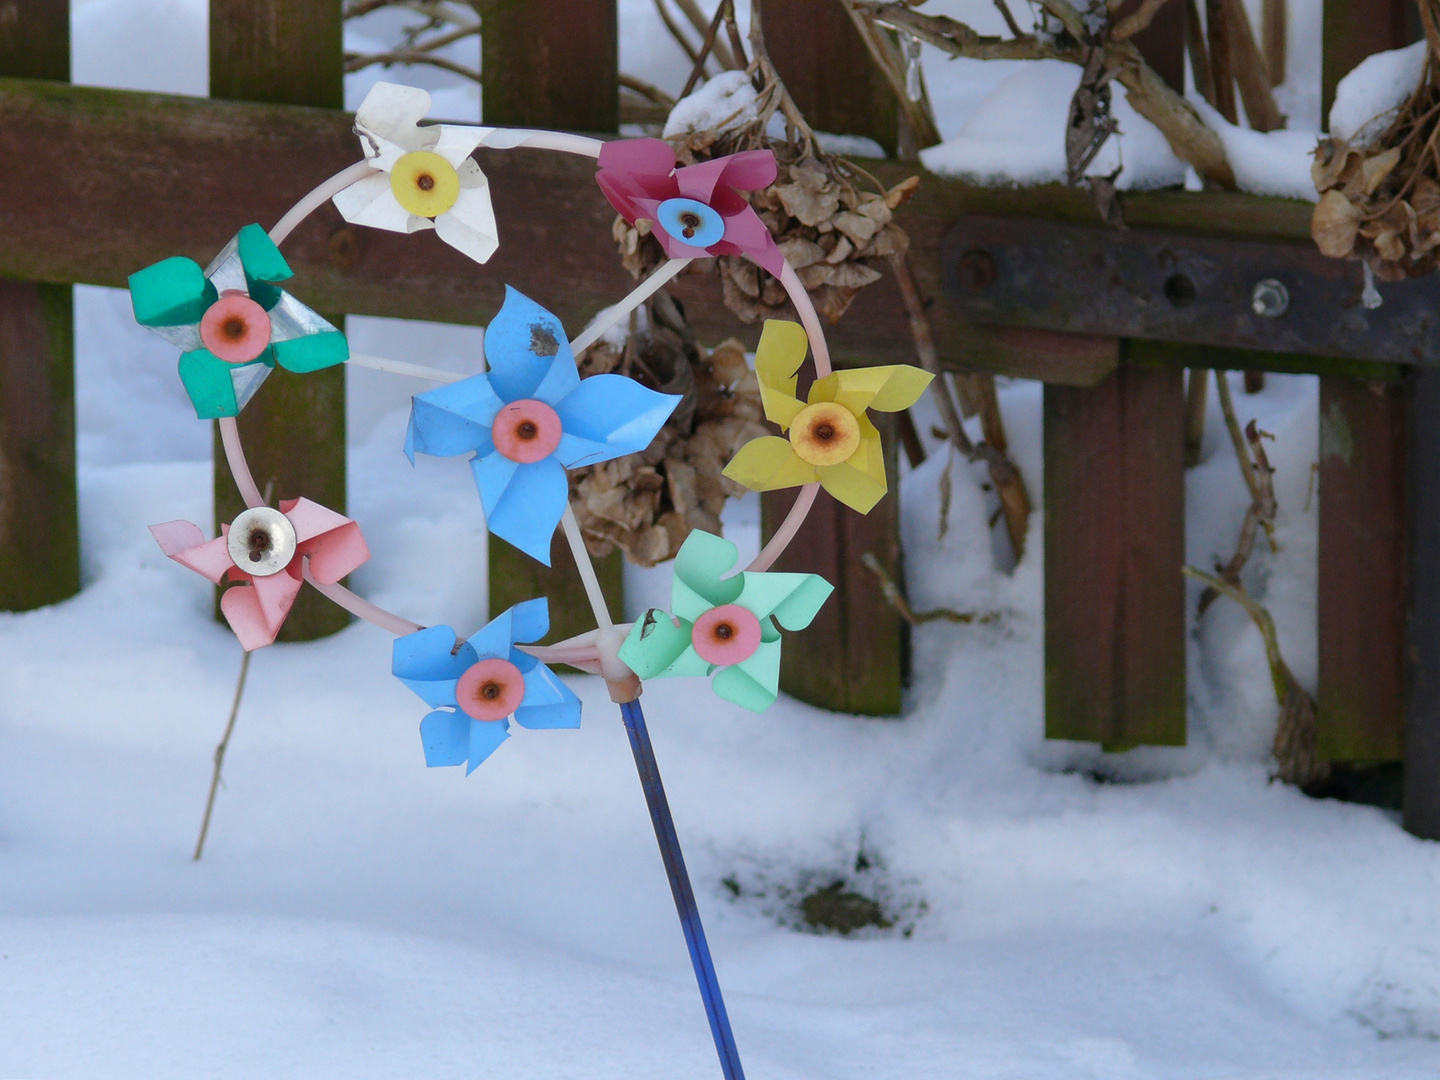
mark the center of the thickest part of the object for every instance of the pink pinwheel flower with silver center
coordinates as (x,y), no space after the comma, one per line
(266,550)
(695,210)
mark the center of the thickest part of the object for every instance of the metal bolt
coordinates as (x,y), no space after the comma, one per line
(261,541)
(1270,299)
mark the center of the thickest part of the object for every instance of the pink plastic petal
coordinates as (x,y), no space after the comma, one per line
(750,170)
(186,544)
(748,234)
(527,431)
(310,519)
(653,156)
(698,181)
(726,635)
(336,553)
(257,611)
(235,328)
(490,690)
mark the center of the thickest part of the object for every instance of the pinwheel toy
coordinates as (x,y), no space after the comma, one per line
(524,421)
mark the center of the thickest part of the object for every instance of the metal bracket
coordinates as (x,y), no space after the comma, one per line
(1278,296)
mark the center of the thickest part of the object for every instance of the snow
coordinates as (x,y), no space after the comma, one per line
(1367,99)
(1017,135)
(1166,914)
(724,102)
(1265,162)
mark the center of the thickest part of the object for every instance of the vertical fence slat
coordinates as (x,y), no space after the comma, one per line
(39,522)
(1421,795)
(286,51)
(828,70)
(1115,533)
(1361,577)
(854,656)
(1362,551)
(1114,544)
(551,63)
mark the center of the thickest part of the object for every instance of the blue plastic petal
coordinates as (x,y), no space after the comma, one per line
(522,343)
(530,620)
(608,416)
(548,703)
(426,662)
(531,506)
(493,473)
(485,737)
(454,419)
(446,738)
(496,638)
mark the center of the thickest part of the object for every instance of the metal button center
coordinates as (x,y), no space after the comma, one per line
(261,541)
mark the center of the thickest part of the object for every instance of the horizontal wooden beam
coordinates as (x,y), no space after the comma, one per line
(96,183)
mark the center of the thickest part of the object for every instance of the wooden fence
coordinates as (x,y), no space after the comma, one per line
(95,183)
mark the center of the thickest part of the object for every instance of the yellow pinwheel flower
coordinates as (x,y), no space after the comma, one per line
(830,437)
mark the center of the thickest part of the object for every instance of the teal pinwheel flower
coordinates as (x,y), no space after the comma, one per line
(724,624)
(233,323)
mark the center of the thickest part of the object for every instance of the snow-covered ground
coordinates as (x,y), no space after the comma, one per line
(1058,914)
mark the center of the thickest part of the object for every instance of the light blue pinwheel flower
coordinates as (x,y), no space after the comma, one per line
(474,686)
(723,624)
(528,419)
(232,322)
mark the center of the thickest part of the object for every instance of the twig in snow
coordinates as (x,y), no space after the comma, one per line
(1259,479)
(220,756)
(896,599)
(1294,749)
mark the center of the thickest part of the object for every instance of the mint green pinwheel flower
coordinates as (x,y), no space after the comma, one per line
(724,624)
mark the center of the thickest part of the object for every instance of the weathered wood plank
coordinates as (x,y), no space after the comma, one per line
(828,70)
(286,51)
(230,163)
(550,64)
(1421,794)
(1362,492)
(1114,544)
(39,524)
(854,657)
(1362,552)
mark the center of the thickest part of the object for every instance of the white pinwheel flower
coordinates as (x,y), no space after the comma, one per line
(429,179)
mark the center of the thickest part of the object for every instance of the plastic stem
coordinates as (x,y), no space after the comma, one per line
(316,198)
(610,316)
(587,569)
(680,888)
(362,608)
(239,467)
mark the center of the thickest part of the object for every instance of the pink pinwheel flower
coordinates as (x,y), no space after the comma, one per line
(694,211)
(266,550)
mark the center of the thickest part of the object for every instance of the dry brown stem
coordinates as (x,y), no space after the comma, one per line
(1009,484)
(1147,93)
(1294,748)
(887,58)
(895,597)
(1138,20)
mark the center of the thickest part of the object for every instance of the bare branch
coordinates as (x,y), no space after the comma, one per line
(360,61)
(676,32)
(895,597)
(645,90)
(700,23)
(1068,16)
(1138,20)
(1009,19)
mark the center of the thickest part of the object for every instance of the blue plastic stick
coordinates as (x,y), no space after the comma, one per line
(680,888)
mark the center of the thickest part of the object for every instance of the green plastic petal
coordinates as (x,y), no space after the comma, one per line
(754,683)
(260,257)
(654,644)
(793,599)
(313,352)
(699,565)
(172,292)
(207,381)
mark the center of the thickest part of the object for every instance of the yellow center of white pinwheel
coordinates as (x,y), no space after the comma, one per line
(824,433)
(424,183)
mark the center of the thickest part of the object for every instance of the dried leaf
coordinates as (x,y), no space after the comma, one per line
(1375,169)
(1334,224)
(902,192)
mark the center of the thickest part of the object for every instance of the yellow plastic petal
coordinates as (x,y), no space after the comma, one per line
(888,389)
(859,482)
(767,463)
(781,352)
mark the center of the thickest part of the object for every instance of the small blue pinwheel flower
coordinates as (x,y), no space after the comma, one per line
(528,419)
(233,323)
(475,685)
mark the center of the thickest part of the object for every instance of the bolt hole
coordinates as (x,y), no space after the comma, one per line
(1180,290)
